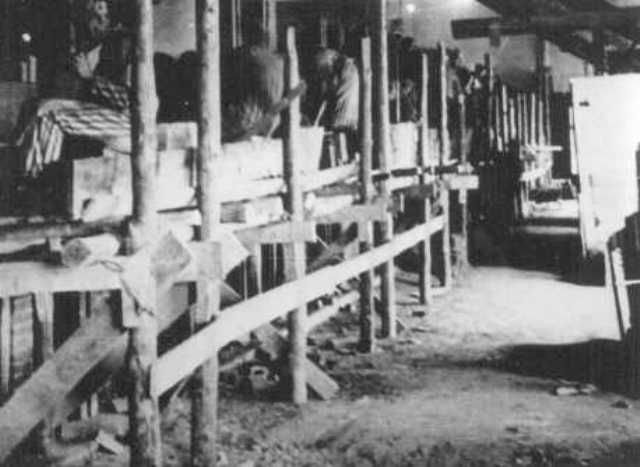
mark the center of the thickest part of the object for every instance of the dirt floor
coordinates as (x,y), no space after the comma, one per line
(472,381)
(494,373)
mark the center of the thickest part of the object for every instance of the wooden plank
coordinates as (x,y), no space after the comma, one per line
(5,347)
(294,253)
(382,133)
(377,211)
(458,182)
(282,232)
(365,228)
(275,344)
(144,411)
(319,317)
(536,24)
(49,385)
(204,388)
(619,286)
(424,282)
(21,278)
(242,318)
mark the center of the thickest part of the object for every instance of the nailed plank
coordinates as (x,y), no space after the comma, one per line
(242,318)
(21,278)
(376,211)
(57,377)
(317,380)
(282,232)
(5,347)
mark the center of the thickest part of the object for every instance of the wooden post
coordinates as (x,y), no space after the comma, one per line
(324,29)
(236,24)
(489,97)
(204,392)
(600,45)
(144,413)
(270,22)
(548,91)
(382,135)
(524,113)
(504,116)
(463,259)
(445,156)
(365,229)
(294,253)
(85,304)
(424,282)
(5,348)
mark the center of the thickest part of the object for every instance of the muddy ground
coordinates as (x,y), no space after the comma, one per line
(471,381)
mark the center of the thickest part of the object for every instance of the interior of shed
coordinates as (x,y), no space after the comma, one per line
(319,232)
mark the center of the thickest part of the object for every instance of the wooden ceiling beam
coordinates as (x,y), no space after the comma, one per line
(483,27)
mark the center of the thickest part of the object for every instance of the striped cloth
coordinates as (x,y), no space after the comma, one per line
(41,142)
(109,94)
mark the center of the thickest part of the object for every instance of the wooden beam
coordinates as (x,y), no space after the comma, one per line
(204,388)
(5,347)
(365,226)
(270,22)
(424,281)
(144,412)
(281,232)
(376,211)
(246,316)
(445,156)
(57,376)
(294,253)
(584,20)
(274,344)
(382,135)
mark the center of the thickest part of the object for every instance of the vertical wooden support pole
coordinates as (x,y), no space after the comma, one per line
(5,348)
(204,393)
(324,30)
(425,247)
(85,305)
(254,265)
(236,24)
(548,91)
(445,156)
(144,414)
(382,135)
(270,22)
(504,116)
(520,113)
(294,253)
(525,118)
(489,104)
(365,229)
(513,120)
(463,252)
(532,118)
(600,46)
(45,346)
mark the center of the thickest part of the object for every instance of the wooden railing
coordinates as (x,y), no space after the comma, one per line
(103,339)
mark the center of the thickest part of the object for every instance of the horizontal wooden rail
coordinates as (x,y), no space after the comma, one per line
(241,319)
(28,277)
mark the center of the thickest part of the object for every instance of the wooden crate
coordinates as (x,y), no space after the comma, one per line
(100,187)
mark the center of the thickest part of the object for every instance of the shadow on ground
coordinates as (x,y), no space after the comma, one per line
(600,362)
